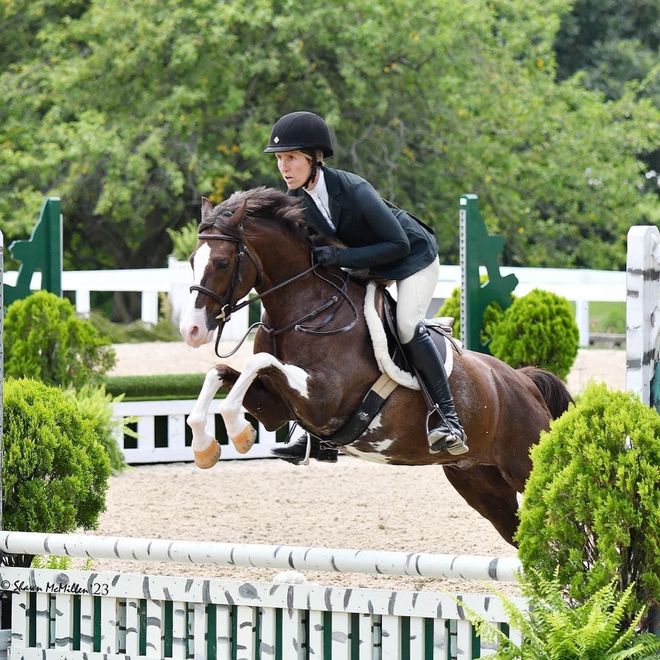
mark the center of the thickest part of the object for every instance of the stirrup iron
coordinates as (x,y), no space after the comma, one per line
(448,440)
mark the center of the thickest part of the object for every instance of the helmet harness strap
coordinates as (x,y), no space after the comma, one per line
(315,168)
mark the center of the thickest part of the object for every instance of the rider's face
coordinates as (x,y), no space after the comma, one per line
(294,167)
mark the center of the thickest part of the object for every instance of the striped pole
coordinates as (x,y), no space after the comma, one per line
(335,560)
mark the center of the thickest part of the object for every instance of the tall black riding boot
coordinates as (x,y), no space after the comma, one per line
(448,434)
(296,451)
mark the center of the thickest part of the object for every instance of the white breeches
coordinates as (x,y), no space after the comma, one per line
(414,296)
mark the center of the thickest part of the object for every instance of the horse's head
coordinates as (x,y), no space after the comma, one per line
(255,237)
(224,270)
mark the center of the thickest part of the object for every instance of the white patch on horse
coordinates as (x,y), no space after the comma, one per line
(230,408)
(382,446)
(375,424)
(200,262)
(193,319)
(365,455)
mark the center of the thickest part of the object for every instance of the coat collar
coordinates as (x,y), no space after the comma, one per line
(334,192)
(334,198)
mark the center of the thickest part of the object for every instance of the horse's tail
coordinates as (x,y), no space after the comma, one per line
(554,392)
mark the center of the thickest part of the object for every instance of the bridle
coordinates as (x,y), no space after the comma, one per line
(227,307)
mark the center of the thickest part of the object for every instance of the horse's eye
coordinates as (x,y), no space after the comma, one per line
(220,263)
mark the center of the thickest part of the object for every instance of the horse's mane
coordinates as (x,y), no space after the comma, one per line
(261,204)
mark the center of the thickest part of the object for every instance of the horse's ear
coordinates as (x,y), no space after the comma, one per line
(207,209)
(237,218)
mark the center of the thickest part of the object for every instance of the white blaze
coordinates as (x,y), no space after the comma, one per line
(193,320)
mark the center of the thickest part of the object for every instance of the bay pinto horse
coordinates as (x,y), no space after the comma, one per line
(314,361)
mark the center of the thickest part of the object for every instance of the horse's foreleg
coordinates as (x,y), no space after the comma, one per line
(205,448)
(240,431)
(486,491)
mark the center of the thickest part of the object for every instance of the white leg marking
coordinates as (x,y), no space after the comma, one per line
(230,408)
(197,418)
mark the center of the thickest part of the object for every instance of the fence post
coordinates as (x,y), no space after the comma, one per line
(643,314)
(477,248)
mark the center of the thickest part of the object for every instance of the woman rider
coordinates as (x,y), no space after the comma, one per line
(388,242)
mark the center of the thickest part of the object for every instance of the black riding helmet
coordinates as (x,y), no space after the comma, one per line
(300,131)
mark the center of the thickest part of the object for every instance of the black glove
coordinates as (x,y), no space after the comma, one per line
(326,255)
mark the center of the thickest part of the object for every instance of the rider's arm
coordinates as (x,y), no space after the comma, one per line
(393,242)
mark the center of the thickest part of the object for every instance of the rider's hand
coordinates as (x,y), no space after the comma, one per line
(326,255)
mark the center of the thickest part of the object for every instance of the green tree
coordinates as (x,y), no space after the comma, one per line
(131,111)
(611,42)
(538,329)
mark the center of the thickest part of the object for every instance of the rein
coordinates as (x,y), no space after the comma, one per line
(227,308)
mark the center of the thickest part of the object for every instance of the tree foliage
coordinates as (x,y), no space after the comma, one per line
(131,111)
(611,43)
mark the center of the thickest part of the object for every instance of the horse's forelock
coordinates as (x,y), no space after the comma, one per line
(261,203)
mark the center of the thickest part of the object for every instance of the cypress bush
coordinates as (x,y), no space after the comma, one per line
(96,405)
(45,339)
(591,507)
(538,330)
(55,472)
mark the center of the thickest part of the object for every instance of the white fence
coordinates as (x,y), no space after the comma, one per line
(86,614)
(579,286)
(164,437)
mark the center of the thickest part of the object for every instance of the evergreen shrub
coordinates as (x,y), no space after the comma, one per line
(539,330)
(591,507)
(55,471)
(96,405)
(45,339)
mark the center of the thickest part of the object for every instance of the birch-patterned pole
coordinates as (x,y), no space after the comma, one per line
(379,562)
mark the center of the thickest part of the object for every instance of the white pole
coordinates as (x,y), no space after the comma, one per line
(379,562)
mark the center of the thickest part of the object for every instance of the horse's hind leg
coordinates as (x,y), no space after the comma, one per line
(486,491)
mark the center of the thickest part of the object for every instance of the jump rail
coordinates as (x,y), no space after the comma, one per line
(380,562)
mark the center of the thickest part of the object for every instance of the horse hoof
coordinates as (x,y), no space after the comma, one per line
(207,458)
(245,439)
